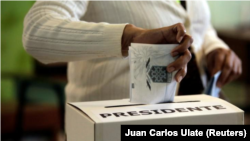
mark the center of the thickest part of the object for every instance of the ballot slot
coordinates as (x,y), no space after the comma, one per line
(95,122)
(116,106)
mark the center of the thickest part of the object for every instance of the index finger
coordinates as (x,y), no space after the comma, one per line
(180,30)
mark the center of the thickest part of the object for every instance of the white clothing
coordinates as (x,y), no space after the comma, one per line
(87,35)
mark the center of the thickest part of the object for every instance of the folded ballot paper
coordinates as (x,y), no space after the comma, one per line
(150,82)
(211,88)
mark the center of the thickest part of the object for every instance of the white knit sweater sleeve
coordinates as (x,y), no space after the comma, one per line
(211,40)
(53,32)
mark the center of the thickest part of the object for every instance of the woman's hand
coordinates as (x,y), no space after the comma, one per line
(175,34)
(226,61)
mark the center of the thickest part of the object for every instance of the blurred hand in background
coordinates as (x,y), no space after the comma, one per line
(226,61)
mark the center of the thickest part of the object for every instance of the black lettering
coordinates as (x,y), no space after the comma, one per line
(119,114)
(180,110)
(156,111)
(192,109)
(206,107)
(218,107)
(145,112)
(167,111)
(133,113)
(105,115)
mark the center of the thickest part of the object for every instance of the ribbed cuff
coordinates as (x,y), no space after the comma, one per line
(216,45)
(112,39)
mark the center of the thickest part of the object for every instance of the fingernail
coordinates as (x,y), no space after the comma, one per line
(175,54)
(179,78)
(170,69)
(180,39)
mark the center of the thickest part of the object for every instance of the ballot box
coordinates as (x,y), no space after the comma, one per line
(102,120)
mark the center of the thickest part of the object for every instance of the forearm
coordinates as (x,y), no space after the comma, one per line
(54,33)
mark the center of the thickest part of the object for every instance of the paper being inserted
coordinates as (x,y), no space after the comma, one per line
(150,82)
(211,88)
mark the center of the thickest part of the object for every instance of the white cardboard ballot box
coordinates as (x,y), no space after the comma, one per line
(102,120)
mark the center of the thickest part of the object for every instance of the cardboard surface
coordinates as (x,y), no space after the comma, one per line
(96,120)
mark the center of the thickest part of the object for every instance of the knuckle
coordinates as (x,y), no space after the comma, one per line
(189,38)
(219,58)
(183,32)
(184,72)
(179,24)
(231,51)
(189,55)
(185,68)
(219,52)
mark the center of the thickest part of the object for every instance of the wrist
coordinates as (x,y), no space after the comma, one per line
(129,33)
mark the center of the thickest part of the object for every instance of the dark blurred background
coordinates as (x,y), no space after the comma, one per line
(32,94)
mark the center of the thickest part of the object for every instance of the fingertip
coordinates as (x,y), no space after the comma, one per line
(176,78)
(179,79)
(219,84)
